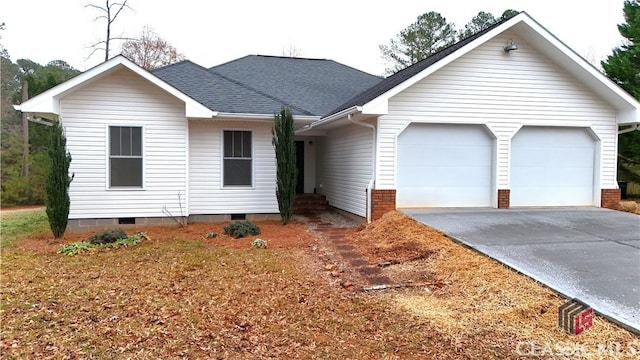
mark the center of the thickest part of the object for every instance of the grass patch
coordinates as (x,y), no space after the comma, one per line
(17,224)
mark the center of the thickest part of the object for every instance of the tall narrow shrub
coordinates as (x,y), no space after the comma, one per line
(287,173)
(58,180)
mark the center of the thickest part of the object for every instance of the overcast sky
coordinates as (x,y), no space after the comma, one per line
(210,32)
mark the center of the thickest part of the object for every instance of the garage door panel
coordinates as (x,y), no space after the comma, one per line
(552,167)
(466,197)
(444,166)
(427,154)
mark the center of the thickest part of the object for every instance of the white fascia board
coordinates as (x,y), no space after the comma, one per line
(49,101)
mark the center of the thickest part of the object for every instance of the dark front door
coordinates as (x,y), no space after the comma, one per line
(300,166)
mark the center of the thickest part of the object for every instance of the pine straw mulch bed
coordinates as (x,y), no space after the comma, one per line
(476,301)
(294,235)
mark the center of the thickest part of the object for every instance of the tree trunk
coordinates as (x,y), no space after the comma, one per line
(25,132)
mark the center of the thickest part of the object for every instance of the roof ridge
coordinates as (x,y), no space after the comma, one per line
(257,91)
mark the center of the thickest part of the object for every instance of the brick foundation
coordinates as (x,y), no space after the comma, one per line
(504,198)
(382,201)
(610,198)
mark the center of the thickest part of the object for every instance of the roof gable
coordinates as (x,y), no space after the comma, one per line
(374,100)
(48,102)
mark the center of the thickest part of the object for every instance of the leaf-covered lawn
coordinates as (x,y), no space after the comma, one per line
(186,299)
(182,295)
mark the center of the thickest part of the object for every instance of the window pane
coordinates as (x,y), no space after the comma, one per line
(246,144)
(126,172)
(125,141)
(237,144)
(228,144)
(136,144)
(114,140)
(237,172)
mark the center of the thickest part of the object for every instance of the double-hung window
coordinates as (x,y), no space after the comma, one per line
(237,158)
(125,156)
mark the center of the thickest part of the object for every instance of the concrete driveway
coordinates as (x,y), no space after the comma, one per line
(588,253)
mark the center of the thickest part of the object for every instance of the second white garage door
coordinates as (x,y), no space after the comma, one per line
(552,167)
(444,166)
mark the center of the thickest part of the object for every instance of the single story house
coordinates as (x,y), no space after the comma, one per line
(509,117)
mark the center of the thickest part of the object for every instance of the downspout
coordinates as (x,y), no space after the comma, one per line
(633,127)
(373,164)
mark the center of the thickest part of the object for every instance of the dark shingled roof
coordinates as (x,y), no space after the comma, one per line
(315,85)
(263,84)
(218,93)
(408,72)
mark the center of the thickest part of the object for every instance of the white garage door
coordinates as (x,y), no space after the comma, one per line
(444,166)
(552,167)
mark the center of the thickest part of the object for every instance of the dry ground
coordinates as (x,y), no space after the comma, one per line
(181,295)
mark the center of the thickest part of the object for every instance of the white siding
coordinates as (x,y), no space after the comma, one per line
(344,167)
(207,195)
(123,98)
(504,91)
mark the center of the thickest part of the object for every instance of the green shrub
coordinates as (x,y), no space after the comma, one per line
(75,248)
(259,243)
(107,237)
(240,229)
(57,182)
(84,246)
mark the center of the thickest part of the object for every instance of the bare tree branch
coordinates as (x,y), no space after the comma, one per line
(122,6)
(110,19)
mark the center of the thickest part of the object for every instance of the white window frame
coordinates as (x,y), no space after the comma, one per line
(108,156)
(223,158)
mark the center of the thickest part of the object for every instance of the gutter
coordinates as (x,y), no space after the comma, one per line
(333,117)
(373,163)
(633,127)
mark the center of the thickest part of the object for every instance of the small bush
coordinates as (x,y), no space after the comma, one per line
(108,237)
(76,248)
(84,246)
(240,229)
(259,243)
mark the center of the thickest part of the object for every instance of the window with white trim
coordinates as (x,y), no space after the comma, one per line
(125,156)
(237,158)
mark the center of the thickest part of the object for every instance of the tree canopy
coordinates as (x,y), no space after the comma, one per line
(431,33)
(17,189)
(150,51)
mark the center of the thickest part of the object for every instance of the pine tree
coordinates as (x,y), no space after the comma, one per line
(58,181)
(623,67)
(286,174)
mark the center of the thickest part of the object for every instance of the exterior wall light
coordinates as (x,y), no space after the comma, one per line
(510,46)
